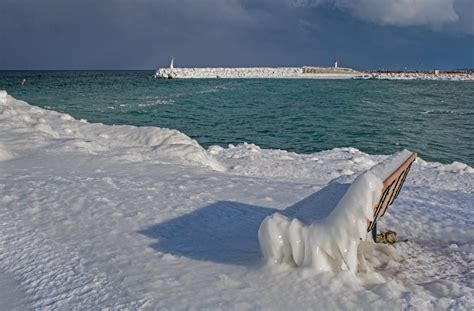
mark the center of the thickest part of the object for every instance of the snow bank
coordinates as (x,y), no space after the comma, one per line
(60,132)
(456,167)
(3,96)
(329,244)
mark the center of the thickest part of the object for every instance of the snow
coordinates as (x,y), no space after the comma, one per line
(121,217)
(385,168)
(5,154)
(58,131)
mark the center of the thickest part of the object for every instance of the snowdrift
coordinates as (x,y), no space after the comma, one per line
(61,132)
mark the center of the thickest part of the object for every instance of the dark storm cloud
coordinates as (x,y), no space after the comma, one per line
(84,34)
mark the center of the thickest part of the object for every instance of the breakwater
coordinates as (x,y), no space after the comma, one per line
(440,76)
(305,72)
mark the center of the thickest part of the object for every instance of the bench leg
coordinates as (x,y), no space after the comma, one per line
(374,232)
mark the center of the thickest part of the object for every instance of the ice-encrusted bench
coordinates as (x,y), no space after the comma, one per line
(394,175)
(331,243)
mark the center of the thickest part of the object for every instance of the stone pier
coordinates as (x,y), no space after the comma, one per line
(305,72)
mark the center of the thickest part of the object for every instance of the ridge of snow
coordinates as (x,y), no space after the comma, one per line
(62,132)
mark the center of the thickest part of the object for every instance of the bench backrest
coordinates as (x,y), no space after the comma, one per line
(391,188)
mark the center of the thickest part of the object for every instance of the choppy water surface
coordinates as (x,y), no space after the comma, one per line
(435,119)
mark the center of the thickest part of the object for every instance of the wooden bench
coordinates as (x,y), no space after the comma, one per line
(391,188)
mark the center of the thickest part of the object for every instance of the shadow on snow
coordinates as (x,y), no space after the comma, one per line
(226,232)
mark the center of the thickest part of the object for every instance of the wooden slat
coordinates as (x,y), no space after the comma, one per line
(402,167)
(391,188)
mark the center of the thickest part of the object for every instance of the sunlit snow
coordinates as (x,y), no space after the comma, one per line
(95,216)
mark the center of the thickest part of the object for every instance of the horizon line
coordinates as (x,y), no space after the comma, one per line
(154,69)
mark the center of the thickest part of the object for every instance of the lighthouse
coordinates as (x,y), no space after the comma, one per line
(172,62)
(335,63)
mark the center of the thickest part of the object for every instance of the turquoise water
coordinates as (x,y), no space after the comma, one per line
(435,119)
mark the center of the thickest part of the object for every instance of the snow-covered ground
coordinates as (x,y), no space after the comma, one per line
(95,216)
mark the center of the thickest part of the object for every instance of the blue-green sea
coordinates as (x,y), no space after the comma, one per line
(433,118)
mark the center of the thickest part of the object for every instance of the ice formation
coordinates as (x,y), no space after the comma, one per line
(329,244)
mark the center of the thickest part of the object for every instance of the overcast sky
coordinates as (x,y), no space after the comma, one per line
(144,34)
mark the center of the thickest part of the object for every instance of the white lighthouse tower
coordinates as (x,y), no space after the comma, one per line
(335,63)
(172,62)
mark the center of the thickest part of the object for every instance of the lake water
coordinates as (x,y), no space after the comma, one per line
(433,118)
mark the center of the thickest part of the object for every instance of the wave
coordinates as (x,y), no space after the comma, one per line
(440,111)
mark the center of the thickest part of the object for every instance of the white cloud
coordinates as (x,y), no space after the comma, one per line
(465,10)
(458,14)
(307,3)
(402,12)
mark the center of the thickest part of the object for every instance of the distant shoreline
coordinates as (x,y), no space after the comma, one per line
(307,72)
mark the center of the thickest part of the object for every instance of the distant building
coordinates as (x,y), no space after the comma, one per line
(335,63)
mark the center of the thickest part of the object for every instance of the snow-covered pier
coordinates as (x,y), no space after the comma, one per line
(256,73)
(443,76)
(305,72)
